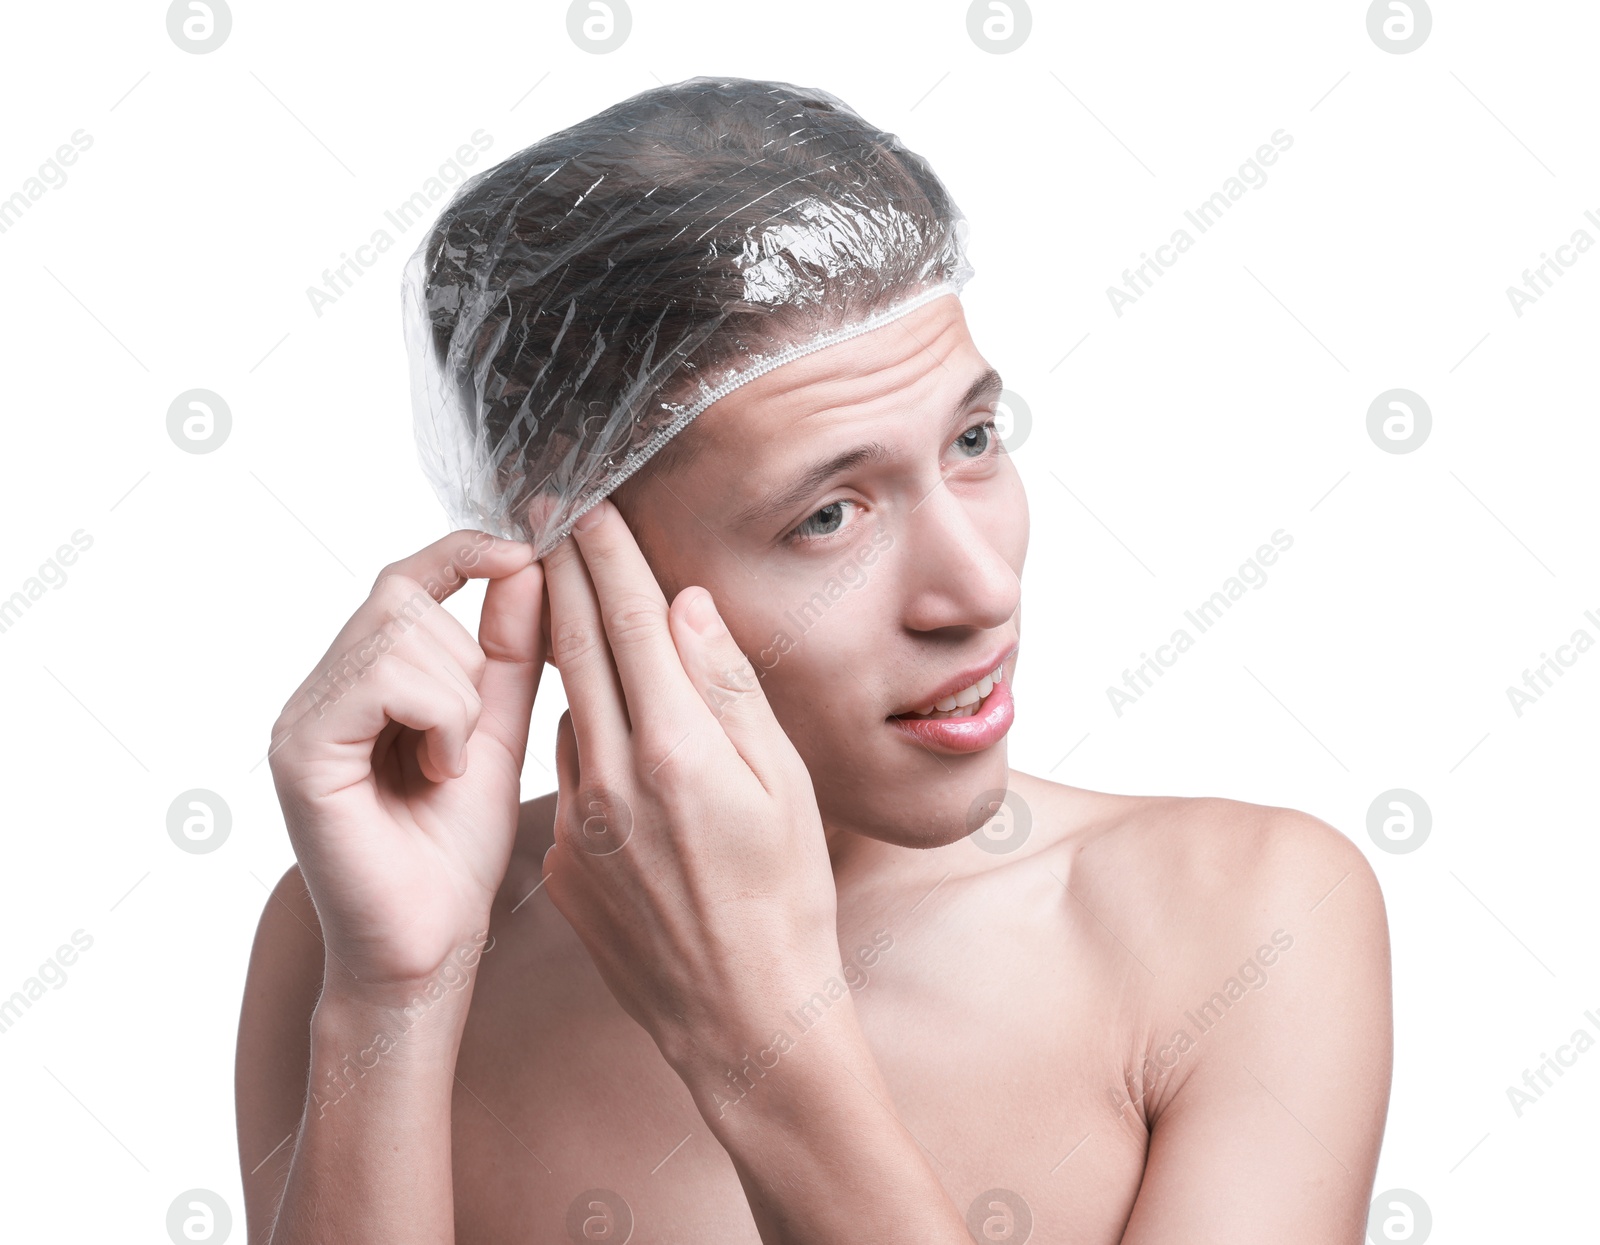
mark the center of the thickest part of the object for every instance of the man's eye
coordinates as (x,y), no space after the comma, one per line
(975,442)
(824,522)
(978,441)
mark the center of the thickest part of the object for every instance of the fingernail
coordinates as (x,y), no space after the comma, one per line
(591,516)
(703,614)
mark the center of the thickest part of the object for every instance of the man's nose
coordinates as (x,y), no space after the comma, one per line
(954,566)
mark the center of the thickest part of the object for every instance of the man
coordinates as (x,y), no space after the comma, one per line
(792,955)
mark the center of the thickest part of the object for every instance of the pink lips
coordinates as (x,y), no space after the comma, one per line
(961,735)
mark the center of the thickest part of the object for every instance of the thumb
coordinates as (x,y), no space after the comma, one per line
(727,683)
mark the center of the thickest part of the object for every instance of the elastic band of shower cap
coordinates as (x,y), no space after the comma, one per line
(744,376)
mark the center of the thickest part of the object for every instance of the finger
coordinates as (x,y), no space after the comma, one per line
(398,621)
(405,591)
(445,565)
(728,686)
(512,644)
(544,617)
(568,773)
(578,643)
(425,652)
(596,819)
(439,570)
(567,776)
(456,640)
(660,698)
(397,691)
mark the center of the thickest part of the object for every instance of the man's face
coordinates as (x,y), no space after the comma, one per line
(862,593)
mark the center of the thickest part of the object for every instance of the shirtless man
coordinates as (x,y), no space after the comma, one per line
(773,965)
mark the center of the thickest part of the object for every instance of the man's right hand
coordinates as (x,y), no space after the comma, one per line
(398,763)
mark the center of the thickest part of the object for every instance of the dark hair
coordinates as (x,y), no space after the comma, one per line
(579,288)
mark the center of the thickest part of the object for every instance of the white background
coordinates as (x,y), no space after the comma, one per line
(1227,403)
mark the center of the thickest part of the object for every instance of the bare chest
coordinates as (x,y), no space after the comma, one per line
(1003,1061)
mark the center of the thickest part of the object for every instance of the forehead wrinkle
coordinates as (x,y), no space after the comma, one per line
(837,386)
(853,373)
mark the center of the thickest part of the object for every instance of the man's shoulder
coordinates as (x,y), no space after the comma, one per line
(1215,897)
(1209,847)
(1211,875)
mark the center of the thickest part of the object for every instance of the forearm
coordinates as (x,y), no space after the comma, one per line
(818,1145)
(372,1159)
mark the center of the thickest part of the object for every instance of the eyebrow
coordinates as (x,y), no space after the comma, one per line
(819,473)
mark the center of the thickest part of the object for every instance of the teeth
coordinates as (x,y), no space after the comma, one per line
(962,704)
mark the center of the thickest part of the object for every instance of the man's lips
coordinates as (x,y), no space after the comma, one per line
(962,679)
(986,727)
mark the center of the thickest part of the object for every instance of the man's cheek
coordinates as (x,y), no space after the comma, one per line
(999,517)
(1020,525)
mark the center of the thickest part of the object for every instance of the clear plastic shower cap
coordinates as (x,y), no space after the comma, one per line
(577,305)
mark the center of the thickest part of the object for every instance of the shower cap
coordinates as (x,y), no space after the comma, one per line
(574,307)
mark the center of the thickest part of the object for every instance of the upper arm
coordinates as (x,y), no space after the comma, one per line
(274,1046)
(1274,1132)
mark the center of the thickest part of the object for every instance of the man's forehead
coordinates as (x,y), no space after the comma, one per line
(921,356)
(773,441)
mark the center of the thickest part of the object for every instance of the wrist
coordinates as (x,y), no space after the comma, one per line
(773,1062)
(433,980)
(376,1051)
(396,1017)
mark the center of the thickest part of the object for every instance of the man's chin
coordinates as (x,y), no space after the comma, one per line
(927,841)
(920,811)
